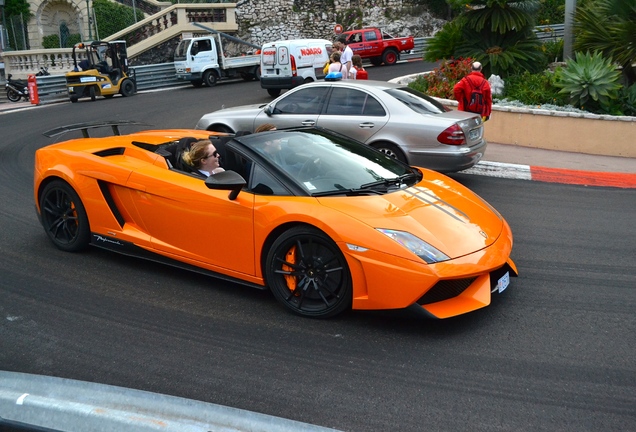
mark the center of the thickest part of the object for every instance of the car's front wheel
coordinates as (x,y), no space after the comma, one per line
(63,217)
(308,274)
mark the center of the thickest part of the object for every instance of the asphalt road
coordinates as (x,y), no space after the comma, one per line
(555,351)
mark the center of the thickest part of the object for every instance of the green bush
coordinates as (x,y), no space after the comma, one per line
(53,41)
(551,12)
(534,89)
(113,17)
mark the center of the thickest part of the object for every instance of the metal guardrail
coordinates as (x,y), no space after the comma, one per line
(53,88)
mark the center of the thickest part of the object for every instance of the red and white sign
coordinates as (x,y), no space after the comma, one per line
(337,29)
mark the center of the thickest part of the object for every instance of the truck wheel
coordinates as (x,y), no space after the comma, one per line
(273,92)
(389,57)
(209,78)
(127,88)
(376,61)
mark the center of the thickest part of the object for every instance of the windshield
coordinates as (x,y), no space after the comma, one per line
(181,52)
(417,101)
(324,163)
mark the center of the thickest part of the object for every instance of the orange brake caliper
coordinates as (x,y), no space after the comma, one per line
(290,257)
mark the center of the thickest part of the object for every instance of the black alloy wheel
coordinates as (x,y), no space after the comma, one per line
(63,217)
(308,274)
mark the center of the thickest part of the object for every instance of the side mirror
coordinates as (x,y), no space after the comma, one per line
(268,110)
(226,180)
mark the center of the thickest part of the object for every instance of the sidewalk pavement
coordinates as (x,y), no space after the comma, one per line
(526,163)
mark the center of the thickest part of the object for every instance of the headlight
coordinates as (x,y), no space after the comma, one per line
(416,245)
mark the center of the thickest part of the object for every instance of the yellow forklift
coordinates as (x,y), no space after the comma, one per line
(103,71)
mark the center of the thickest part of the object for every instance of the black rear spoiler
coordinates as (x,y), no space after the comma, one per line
(84,127)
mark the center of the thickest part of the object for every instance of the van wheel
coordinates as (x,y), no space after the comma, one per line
(209,78)
(307,80)
(273,92)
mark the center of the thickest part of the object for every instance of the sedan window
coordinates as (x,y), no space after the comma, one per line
(417,101)
(345,101)
(304,101)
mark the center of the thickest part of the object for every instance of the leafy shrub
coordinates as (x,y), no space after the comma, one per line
(441,80)
(551,12)
(591,82)
(112,17)
(553,50)
(534,89)
(53,41)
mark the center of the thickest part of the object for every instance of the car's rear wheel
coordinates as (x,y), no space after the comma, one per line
(273,92)
(63,217)
(392,150)
(308,274)
(390,57)
(220,128)
(209,78)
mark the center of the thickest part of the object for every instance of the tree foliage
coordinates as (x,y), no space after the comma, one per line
(609,27)
(498,33)
(113,17)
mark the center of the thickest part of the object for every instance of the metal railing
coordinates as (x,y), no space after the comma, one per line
(53,88)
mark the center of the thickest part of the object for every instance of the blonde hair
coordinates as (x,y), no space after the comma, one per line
(265,127)
(196,153)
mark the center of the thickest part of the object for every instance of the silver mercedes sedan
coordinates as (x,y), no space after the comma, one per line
(393,118)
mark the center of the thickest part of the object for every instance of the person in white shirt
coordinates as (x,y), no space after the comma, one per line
(203,157)
(345,58)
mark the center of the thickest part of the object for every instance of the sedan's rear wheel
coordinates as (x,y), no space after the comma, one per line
(391,150)
(308,274)
(63,217)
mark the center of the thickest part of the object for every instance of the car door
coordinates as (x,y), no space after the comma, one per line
(296,108)
(353,112)
(186,219)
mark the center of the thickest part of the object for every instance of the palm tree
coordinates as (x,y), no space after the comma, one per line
(608,26)
(498,33)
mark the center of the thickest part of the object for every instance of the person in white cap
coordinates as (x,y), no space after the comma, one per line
(473,93)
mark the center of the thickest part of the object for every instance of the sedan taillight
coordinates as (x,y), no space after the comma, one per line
(453,135)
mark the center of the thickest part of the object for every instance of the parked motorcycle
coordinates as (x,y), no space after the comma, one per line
(18,89)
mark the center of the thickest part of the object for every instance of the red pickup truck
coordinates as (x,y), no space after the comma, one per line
(379,47)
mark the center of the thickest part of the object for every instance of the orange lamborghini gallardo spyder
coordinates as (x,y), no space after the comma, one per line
(326,223)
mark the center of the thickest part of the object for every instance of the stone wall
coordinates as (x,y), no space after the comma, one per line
(262,21)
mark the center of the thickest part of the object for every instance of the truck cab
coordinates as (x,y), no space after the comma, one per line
(201,60)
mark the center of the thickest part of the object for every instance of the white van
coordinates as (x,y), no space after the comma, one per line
(289,63)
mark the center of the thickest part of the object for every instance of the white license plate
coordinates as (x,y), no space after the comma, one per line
(473,134)
(503,282)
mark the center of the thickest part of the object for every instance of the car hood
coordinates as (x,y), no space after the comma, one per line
(254,108)
(454,220)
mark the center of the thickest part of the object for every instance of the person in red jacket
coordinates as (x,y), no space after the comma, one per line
(473,93)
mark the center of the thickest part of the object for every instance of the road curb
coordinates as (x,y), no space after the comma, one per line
(553,175)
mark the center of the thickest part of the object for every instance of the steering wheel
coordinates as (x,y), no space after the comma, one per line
(310,169)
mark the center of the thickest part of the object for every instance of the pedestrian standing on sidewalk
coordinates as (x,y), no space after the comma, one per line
(473,93)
